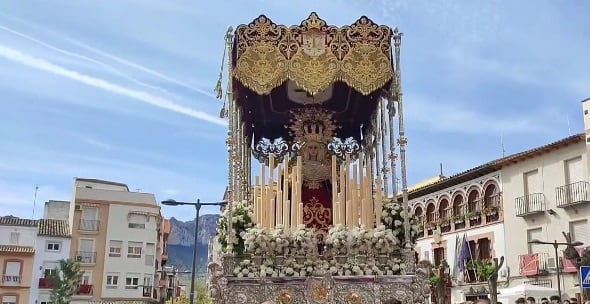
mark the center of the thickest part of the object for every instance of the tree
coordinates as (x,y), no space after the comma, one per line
(66,279)
(572,254)
(489,271)
(438,282)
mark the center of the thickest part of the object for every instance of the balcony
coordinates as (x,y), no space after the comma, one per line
(532,264)
(89,225)
(86,257)
(147,291)
(547,283)
(572,194)
(46,283)
(11,280)
(530,204)
(84,290)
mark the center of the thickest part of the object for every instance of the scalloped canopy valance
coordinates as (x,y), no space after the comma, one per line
(313,55)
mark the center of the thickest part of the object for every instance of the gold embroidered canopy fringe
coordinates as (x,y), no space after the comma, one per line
(313,55)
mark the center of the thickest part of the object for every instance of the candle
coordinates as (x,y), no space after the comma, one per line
(279,213)
(271,190)
(334,183)
(263,205)
(361,174)
(379,203)
(255,199)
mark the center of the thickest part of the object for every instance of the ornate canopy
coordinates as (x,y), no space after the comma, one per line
(278,68)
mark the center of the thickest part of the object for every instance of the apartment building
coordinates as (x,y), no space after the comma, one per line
(17,251)
(546,192)
(462,210)
(114,237)
(52,245)
(161,259)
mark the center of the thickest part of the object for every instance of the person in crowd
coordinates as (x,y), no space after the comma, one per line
(520,301)
(530,300)
(483,301)
(566,302)
(544,301)
(573,301)
(555,300)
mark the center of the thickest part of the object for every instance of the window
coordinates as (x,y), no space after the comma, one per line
(86,278)
(12,273)
(112,280)
(580,231)
(9,300)
(439,255)
(14,236)
(535,234)
(53,246)
(115,248)
(136,221)
(134,249)
(132,281)
(484,249)
(89,219)
(49,268)
(147,280)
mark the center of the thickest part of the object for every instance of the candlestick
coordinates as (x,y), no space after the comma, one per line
(255,200)
(263,205)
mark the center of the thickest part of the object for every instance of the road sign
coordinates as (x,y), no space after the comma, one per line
(585,276)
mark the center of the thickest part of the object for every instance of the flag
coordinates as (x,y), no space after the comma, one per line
(464,254)
(456,256)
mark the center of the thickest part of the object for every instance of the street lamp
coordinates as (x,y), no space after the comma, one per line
(555,245)
(197,206)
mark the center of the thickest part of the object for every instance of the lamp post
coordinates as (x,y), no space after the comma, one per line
(555,245)
(197,206)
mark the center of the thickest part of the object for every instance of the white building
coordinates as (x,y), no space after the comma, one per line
(468,204)
(546,192)
(52,245)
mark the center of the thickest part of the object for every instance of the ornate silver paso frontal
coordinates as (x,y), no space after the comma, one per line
(225,288)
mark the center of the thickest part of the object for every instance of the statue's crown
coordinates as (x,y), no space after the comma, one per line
(312,124)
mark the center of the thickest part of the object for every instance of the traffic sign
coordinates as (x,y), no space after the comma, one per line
(585,276)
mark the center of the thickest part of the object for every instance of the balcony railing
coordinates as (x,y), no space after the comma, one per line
(532,264)
(9,279)
(572,194)
(89,225)
(86,257)
(46,283)
(84,289)
(530,204)
(541,282)
(147,291)
(149,259)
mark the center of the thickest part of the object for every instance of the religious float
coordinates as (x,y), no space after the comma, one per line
(318,108)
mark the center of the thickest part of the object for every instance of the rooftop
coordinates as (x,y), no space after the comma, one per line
(50,227)
(10,220)
(101,181)
(16,249)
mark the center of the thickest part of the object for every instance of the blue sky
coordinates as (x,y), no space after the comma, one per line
(123,90)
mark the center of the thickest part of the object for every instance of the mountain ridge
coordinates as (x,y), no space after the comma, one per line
(181,241)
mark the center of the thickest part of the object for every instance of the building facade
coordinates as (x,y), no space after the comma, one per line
(52,245)
(17,251)
(546,194)
(114,237)
(462,210)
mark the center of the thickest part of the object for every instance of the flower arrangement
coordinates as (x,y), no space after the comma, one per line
(382,241)
(241,221)
(393,218)
(280,240)
(338,240)
(257,241)
(303,241)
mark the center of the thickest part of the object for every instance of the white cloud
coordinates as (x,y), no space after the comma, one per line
(40,64)
(18,198)
(92,141)
(445,116)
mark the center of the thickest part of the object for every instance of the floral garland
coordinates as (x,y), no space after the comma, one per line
(303,241)
(279,241)
(338,240)
(314,267)
(241,221)
(392,218)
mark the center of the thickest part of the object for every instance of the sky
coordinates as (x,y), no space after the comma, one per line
(123,90)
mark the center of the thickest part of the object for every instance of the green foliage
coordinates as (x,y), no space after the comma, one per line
(485,268)
(66,279)
(242,219)
(435,280)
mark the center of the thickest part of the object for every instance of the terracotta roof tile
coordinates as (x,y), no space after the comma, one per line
(51,227)
(15,221)
(16,249)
